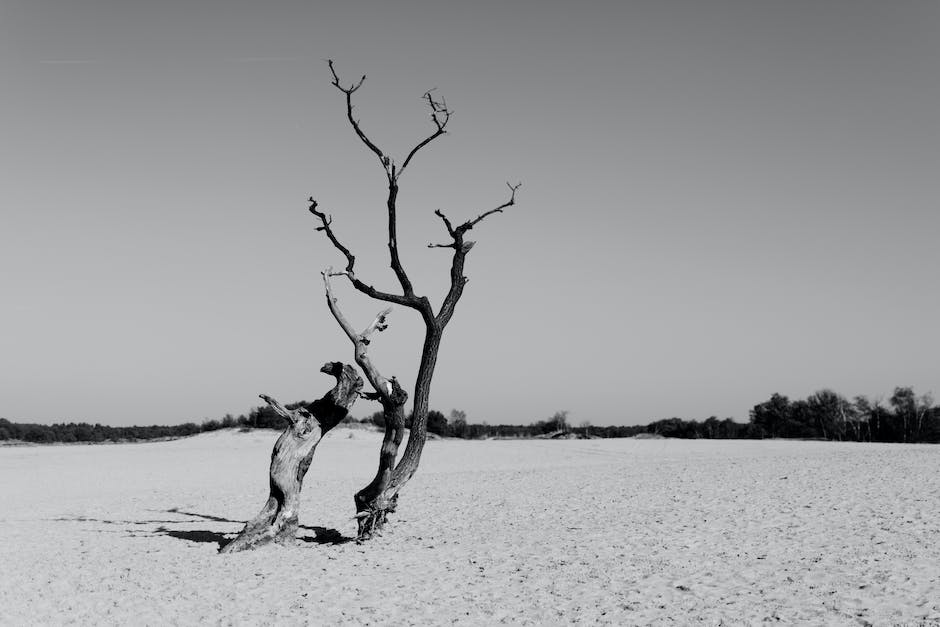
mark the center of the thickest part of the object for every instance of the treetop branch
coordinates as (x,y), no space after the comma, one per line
(349,91)
(459,245)
(440,115)
(466,226)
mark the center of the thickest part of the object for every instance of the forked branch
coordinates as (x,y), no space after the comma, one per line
(349,91)
(440,115)
(450,228)
(326,227)
(461,248)
(466,226)
(456,234)
(362,340)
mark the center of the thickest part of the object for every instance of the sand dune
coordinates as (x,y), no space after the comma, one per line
(531,532)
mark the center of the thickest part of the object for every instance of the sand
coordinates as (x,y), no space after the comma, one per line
(522,532)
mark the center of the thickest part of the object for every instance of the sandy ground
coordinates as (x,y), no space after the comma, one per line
(533,532)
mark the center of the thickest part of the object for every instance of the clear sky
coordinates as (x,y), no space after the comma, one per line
(721,200)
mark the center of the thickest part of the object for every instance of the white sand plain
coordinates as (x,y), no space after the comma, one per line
(532,532)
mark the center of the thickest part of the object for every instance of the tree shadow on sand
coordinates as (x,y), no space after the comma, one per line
(321,535)
(176,510)
(195,535)
(324,535)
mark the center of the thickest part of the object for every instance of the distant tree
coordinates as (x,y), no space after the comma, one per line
(377,419)
(731,429)
(458,423)
(912,412)
(881,423)
(561,420)
(711,427)
(437,423)
(558,422)
(932,431)
(771,416)
(862,410)
(831,412)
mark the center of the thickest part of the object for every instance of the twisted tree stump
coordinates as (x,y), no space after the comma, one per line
(278,519)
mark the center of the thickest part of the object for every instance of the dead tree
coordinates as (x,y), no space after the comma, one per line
(278,519)
(375,501)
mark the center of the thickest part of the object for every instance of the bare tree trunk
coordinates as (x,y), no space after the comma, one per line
(374,502)
(278,519)
(411,457)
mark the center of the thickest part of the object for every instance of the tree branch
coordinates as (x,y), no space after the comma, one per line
(390,174)
(334,308)
(440,115)
(349,91)
(361,341)
(325,222)
(394,259)
(325,226)
(291,416)
(450,228)
(379,324)
(461,248)
(466,226)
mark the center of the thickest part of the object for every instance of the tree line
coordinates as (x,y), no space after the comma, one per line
(824,415)
(72,432)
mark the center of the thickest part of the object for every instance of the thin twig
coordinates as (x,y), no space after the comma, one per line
(466,226)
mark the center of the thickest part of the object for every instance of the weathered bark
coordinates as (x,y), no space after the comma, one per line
(278,519)
(386,499)
(375,501)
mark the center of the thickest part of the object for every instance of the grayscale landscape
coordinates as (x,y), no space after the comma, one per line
(518,312)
